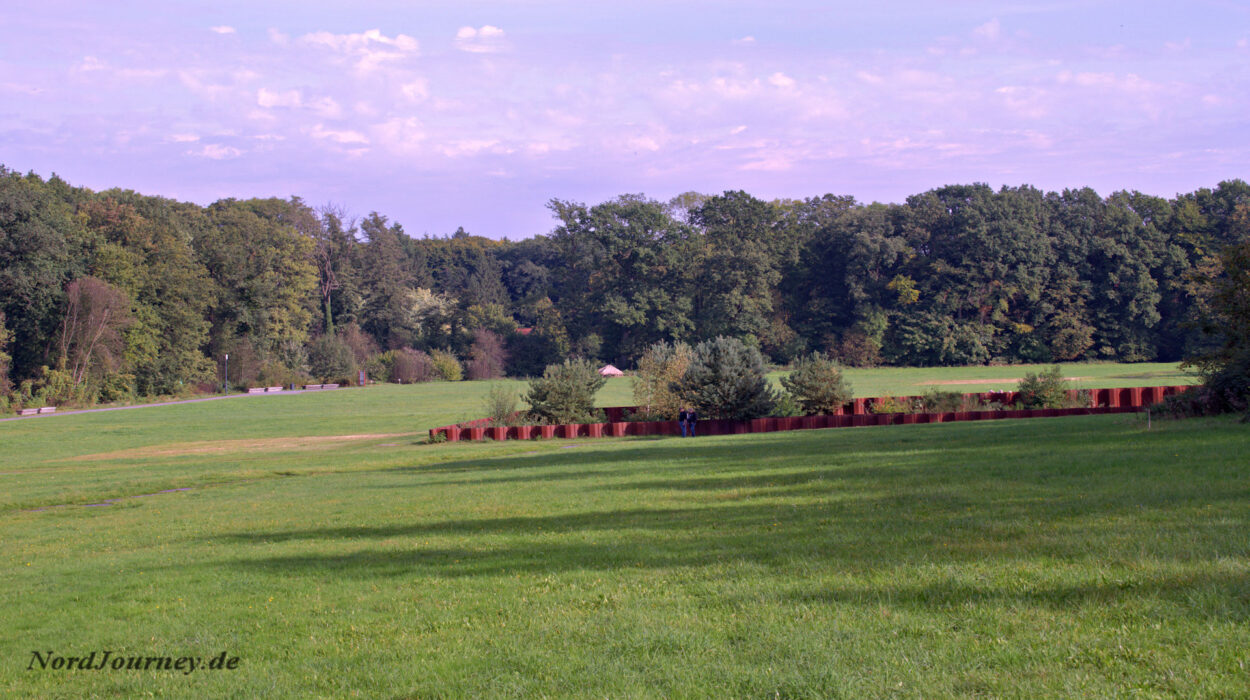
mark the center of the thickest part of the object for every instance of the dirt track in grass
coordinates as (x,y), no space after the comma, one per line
(282,444)
(1008,380)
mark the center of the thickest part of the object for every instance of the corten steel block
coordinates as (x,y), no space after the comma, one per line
(477,433)
(859,419)
(859,407)
(909,418)
(525,432)
(758,425)
(808,422)
(547,431)
(498,433)
(595,429)
(962,415)
(617,428)
(568,430)
(1135,396)
(741,427)
(949,416)
(1125,397)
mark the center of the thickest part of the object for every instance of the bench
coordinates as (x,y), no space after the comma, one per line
(329,386)
(48,409)
(271,389)
(312,387)
(256,390)
(28,412)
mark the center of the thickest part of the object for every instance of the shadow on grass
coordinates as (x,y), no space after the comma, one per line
(798,504)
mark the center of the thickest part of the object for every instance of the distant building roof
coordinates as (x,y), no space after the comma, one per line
(610,371)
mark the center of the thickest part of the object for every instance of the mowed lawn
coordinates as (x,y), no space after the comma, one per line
(1052,557)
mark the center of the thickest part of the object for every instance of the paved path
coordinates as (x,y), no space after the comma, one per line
(147,405)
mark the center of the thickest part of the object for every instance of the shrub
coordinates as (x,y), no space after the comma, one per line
(817,385)
(330,357)
(410,366)
(446,366)
(938,401)
(379,366)
(565,393)
(1045,389)
(501,406)
(487,356)
(786,407)
(661,366)
(726,379)
(890,404)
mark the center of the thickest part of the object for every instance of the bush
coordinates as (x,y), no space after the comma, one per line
(330,357)
(487,356)
(446,366)
(501,406)
(378,366)
(938,401)
(817,385)
(786,407)
(1045,389)
(661,366)
(726,379)
(890,404)
(117,387)
(565,393)
(410,366)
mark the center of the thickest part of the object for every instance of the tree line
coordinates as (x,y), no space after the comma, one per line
(114,292)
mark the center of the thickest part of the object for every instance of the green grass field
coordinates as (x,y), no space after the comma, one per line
(336,556)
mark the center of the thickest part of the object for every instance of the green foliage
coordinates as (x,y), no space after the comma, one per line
(1226,366)
(330,357)
(892,404)
(659,368)
(116,387)
(726,379)
(446,366)
(816,384)
(565,393)
(1045,389)
(786,407)
(501,406)
(938,401)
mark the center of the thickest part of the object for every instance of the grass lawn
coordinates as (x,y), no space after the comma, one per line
(1052,557)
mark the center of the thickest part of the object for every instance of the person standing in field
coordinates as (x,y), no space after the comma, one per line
(683,417)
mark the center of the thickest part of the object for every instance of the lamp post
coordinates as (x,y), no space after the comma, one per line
(225,386)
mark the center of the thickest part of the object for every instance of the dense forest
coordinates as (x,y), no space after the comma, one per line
(105,294)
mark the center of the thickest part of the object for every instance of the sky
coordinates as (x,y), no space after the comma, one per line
(441,115)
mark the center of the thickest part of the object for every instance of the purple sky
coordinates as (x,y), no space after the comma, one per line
(441,115)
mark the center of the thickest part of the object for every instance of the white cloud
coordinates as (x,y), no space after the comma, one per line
(738,129)
(467,147)
(416,90)
(271,98)
(344,137)
(327,108)
(744,41)
(222,29)
(371,48)
(400,134)
(781,80)
(990,30)
(90,63)
(278,37)
(215,151)
(487,39)
(183,138)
